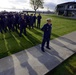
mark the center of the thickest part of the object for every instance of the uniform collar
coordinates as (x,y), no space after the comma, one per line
(48,24)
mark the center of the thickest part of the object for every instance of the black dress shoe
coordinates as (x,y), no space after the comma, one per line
(25,34)
(20,35)
(48,48)
(42,50)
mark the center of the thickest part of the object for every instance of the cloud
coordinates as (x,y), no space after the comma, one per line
(50,6)
(56,1)
(9,3)
(18,1)
(24,4)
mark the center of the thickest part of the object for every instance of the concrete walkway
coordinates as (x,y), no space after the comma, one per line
(35,62)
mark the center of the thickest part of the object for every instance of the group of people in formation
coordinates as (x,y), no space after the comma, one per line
(20,21)
(13,21)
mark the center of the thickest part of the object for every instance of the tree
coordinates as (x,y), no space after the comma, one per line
(36,4)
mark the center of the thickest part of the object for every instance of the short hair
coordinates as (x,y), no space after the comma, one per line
(48,19)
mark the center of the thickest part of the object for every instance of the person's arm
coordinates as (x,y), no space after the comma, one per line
(35,17)
(41,17)
(43,28)
(19,20)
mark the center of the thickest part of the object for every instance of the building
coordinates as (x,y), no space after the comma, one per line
(66,9)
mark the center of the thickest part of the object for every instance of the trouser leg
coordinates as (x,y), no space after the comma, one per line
(25,31)
(47,45)
(32,26)
(12,27)
(29,26)
(21,30)
(1,30)
(16,27)
(37,24)
(43,44)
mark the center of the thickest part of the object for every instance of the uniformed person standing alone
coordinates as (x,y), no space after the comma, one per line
(47,33)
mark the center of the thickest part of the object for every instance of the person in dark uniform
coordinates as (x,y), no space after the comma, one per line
(34,18)
(39,21)
(17,16)
(25,17)
(31,21)
(5,22)
(13,22)
(28,20)
(47,32)
(10,22)
(1,23)
(23,25)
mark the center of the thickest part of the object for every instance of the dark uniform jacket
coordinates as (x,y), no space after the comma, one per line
(31,20)
(34,17)
(39,18)
(47,31)
(22,23)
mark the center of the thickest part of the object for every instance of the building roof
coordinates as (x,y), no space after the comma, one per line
(67,3)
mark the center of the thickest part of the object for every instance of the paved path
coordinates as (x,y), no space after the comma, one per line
(35,62)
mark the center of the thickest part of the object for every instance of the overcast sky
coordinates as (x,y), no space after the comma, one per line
(24,4)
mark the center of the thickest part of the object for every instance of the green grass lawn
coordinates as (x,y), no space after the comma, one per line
(68,67)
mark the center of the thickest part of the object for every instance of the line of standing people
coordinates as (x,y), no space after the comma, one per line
(18,21)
